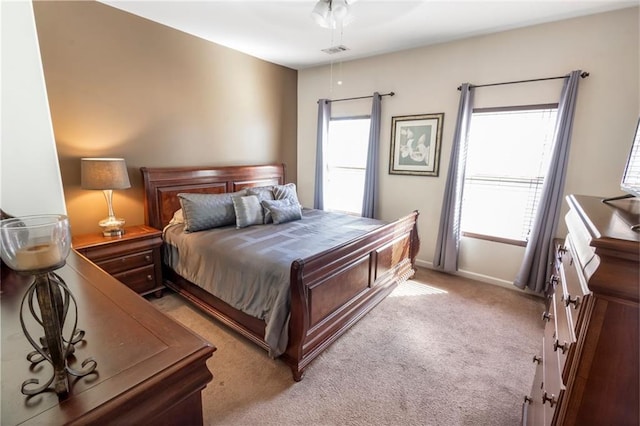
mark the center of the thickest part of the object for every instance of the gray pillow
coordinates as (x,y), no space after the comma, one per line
(248,211)
(206,211)
(286,192)
(283,211)
(263,193)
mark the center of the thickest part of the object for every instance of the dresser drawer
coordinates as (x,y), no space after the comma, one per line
(140,280)
(124,263)
(551,390)
(574,291)
(532,408)
(563,336)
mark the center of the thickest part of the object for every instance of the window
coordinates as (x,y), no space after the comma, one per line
(346,160)
(507,159)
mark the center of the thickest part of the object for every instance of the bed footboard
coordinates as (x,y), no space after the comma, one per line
(332,290)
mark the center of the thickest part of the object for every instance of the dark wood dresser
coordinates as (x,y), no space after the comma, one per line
(151,370)
(587,371)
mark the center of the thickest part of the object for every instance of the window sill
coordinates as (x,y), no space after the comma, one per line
(495,239)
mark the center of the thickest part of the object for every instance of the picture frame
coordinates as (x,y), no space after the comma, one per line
(415,144)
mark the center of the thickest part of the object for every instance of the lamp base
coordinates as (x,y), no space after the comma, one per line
(113,233)
(112,226)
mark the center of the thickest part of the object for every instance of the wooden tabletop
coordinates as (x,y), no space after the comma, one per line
(146,361)
(131,232)
(610,224)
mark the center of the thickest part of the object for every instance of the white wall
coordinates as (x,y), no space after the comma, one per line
(425,81)
(30,175)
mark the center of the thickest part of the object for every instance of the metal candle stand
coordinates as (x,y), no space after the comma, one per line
(36,246)
(54,299)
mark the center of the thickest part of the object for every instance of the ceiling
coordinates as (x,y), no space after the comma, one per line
(284,33)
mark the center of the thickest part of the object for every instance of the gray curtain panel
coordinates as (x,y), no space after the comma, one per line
(538,257)
(324,115)
(371,172)
(446,255)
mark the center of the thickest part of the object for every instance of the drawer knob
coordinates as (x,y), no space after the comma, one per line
(149,278)
(527,399)
(557,345)
(546,316)
(568,301)
(552,399)
(147,258)
(537,359)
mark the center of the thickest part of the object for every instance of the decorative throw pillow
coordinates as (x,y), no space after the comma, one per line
(286,192)
(283,211)
(248,211)
(263,193)
(206,211)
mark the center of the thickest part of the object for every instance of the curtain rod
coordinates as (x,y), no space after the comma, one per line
(359,97)
(583,75)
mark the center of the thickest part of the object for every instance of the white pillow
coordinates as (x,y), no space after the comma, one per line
(178,217)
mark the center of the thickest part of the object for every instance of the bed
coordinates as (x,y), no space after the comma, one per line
(327,291)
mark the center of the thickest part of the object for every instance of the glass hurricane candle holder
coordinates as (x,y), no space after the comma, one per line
(38,245)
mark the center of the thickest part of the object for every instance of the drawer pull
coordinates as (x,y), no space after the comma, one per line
(149,278)
(552,400)
(147,258)
(537,359)
(568,301)
(527,399)
(546,316)
(553,281)
(557,345)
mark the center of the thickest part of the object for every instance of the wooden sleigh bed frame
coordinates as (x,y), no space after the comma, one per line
(330,291)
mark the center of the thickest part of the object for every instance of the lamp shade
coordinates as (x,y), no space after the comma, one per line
(104,173)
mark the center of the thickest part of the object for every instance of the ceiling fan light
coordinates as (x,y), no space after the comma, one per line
(340,9)
(321,13)
(332,13)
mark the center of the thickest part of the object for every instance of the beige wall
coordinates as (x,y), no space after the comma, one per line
(120,85)
(425,81)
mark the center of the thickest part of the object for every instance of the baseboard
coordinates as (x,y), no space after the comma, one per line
(487,279)
(479,277)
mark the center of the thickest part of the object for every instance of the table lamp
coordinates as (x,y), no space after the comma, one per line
(106,174)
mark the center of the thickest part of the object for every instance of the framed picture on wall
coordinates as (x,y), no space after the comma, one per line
(415,144)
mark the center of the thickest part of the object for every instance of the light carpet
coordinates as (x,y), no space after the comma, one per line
(440,350)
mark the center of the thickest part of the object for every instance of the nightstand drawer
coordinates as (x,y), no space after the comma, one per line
(140,280)
(124,263)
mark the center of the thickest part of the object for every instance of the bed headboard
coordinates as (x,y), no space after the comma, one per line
(163,184)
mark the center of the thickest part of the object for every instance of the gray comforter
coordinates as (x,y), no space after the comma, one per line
(249,268)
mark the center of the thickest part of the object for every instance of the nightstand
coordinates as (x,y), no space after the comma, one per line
(133,258)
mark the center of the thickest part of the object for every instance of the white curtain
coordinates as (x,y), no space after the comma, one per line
(324,115)
(447,244)
(371,172)
(538,258)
